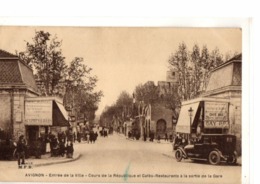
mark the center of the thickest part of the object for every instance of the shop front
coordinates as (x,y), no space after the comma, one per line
(203,116)
(44,115)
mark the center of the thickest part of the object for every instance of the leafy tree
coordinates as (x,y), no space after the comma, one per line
(45,56)
(197,71)
(124,105)
(171,98)
(205,57)
(119,112)
(194,68)
(79,90)
(148,92)
(108,115)
(180,61)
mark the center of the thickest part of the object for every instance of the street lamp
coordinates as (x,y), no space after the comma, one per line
(190,114)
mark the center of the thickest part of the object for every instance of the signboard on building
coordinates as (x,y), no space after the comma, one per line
(216,115)
(38,112)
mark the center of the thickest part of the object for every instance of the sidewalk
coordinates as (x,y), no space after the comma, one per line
(48,160)
(43,161)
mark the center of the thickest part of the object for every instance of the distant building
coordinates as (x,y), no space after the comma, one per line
(172,76)
(156,118)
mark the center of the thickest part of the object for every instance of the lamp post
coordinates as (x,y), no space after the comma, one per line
(190,114)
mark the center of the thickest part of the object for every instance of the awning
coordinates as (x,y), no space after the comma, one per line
(184,122)
(60,115)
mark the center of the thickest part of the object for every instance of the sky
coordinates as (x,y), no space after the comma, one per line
(123,57)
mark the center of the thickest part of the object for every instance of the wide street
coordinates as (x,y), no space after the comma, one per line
(117,159)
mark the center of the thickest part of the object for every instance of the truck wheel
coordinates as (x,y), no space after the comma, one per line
(214,157)
(178,155)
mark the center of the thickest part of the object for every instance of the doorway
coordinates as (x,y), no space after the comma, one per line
(33,133)
(161,127)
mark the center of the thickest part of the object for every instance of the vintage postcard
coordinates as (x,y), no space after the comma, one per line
(121,104)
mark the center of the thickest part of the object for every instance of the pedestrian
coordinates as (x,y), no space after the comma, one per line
(79,137)
(52,141)
(95,137)
(91,136)
(166,137)
(21,148)
(69,149)
(129,134)
(61,148)
(48,144)
(88,136)
(70,135)
(158,138)
(74,137)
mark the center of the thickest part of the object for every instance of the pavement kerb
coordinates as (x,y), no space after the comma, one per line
(58,162)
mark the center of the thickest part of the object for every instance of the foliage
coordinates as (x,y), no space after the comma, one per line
(79,90)
(193,68)
(73,83)
(45,56)
(148,92)
(119,112)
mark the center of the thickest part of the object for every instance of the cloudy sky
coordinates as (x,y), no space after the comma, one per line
(122,58)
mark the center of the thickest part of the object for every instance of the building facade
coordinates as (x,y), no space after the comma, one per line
(226,82)
(16,84)
(22,110)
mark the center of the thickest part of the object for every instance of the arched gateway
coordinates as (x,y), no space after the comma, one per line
(161,127)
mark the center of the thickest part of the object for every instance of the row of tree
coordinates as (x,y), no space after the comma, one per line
(74,82)
(119,112)
(192,69)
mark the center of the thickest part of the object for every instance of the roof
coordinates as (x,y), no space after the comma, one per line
(237,58)
(15,73)
(227,74)
(5,54)
(10,72)
(208,99)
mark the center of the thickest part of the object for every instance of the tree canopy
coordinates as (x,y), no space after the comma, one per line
(74,82)
(193,68)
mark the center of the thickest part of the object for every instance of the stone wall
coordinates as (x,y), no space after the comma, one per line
(12,111)
(159,112)
(5,111)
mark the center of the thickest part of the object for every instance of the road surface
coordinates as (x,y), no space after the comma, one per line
(117,159)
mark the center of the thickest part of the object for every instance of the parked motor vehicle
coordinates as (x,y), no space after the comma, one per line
(213,148)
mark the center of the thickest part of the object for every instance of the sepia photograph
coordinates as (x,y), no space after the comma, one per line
(121,104)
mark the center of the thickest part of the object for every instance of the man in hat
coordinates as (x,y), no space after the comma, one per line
(21,148)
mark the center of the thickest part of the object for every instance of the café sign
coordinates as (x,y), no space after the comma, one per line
(216,115)
(38,112)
